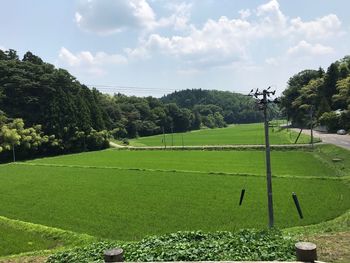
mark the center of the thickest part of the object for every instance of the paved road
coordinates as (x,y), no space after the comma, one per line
(339,140)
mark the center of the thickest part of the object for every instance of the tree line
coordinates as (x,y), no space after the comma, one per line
(46,110)
(325,95)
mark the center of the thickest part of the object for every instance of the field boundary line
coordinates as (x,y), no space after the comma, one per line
(219,147)
(180,171)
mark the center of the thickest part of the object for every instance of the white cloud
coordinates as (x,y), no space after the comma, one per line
(301,52)
(218,42)
(244,13)
(319,28)
(304,48)
(137,53)
(273,61)
(111,16)
(87,58)
(271,19)
(179,19)
(85,61)
(224,41)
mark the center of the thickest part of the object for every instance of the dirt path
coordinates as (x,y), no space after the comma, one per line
(115,145)
(212,147)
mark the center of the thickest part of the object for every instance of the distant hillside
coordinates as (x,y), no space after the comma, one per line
(235,107)
(45,109)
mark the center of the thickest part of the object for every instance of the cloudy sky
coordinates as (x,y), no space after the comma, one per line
(153,47)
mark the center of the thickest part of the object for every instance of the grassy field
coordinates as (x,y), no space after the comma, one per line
(236,162)
(23,237)
(232,135)
(128,205)
(126,195)
(15,240)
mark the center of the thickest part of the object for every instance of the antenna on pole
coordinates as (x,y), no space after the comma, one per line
(263,103)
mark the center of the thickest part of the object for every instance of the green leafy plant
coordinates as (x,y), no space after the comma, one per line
(191,246)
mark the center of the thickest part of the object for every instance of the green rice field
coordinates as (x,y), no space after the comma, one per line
(126,195)
(243,134)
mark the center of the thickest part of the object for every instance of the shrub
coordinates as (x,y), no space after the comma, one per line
(331,120)
(125,141)
(191,246)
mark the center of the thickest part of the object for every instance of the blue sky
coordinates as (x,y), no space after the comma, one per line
(153,47)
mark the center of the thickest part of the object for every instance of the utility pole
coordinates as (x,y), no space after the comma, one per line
(172,135)
(311,125)
(263,105)
(164,141)
(13,153)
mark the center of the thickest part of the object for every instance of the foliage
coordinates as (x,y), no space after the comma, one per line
(25,141)
(234,107)
(192,246)
(331,120)
(50,101)
(323,93)
(78,117)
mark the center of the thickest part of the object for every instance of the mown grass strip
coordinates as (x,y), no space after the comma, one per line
(296,163)
(24,237)
(175,171)
(338,224)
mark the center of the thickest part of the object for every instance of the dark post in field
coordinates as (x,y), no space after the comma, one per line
(113,255)
(13,153)
(297,205)
(311,125)
(172,135)
(263,103)
(242,196)
(164,141)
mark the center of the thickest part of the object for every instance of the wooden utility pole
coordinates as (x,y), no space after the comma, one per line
(263,105)
(164,141)
(13,153)
(172,135)
(312,125)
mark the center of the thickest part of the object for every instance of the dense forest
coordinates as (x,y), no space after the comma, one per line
(323,97)
(233,107)
(45,110)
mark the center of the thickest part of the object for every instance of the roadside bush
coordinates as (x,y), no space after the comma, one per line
(191,246)
(125,141)
(331,120)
